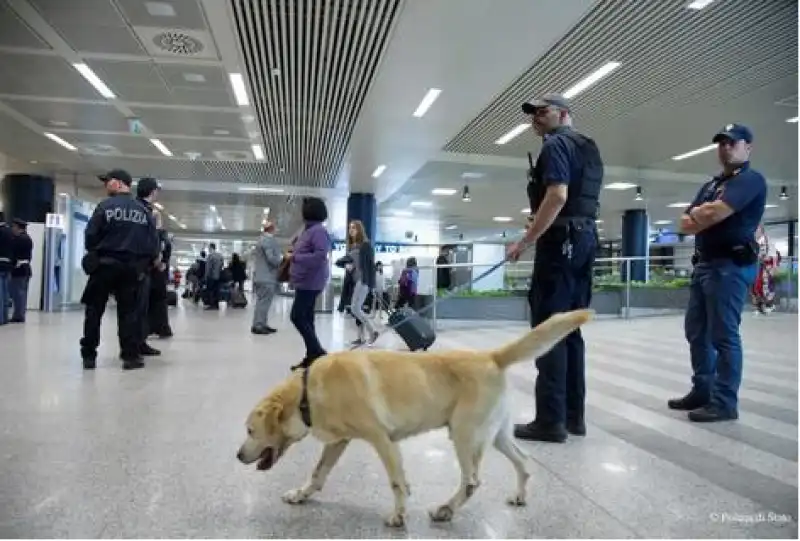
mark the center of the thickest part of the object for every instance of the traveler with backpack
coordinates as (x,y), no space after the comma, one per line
(407,284)
(564,191)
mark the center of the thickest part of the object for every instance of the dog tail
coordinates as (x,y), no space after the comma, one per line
(541,338)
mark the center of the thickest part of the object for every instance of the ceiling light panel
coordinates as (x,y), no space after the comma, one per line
(591,79)
(792,120)
(619,186)
(239,89)
(258,152)
(378,171)
(512,134)
(60,141)
(697,5)
(94,80)
(695,152)
(443,191)
(310,66)
(426,102)
(161,147)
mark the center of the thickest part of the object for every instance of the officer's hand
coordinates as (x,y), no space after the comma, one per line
(514,251)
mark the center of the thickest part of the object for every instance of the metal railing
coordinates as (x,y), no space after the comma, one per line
(665,290)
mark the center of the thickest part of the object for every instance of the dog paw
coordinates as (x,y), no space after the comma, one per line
(396,520)
(295,497)
(442,514)
(517,500)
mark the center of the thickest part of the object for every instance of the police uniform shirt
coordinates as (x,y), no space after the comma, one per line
(559,162)
(746,193)
(122,227)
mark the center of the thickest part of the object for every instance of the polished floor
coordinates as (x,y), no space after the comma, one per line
(151,453)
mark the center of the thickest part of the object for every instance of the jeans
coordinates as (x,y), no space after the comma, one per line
(562,281)
(716,299)
(302,317)
(264,293)
(18,291)
(5,279)
(360,292)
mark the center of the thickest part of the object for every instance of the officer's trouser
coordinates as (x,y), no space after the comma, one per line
(121,280)
(716,300)
(143,308)
(562,281)
(5,280)
(158,311)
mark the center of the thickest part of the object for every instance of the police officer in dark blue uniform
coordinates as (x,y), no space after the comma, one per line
(6,265)
(146,190)
(121,244)
(564,190)
(21,273)
(723,218)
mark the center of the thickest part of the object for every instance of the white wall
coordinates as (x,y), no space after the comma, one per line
(484,256)
(36,233)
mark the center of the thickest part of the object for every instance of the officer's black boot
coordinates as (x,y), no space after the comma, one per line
(576,426)
(89,361)
(539,431)
(147,350)
(691,401)
(132,363)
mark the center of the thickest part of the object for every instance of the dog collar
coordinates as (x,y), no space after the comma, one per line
(305,408)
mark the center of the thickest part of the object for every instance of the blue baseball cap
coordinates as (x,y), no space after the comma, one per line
(734,132)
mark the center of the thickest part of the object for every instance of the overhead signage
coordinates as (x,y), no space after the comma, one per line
(54,221)
(380,247)
(135,126)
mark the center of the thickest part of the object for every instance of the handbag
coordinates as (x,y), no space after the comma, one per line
(283,270)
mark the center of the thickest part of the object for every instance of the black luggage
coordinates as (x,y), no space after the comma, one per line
(238,300)
(415,330)
(172,298)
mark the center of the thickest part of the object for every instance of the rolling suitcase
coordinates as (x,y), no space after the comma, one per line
(415,330)
(238,299)
(172,297)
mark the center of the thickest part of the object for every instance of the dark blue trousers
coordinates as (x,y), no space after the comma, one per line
(562,281)
(717,296)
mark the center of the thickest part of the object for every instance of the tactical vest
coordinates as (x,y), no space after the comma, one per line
(583,194)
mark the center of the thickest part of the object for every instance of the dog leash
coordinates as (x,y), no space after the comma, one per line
(448,295)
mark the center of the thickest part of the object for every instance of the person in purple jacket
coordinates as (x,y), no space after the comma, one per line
(308,275)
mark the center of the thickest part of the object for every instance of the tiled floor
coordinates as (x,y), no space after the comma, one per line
(152,453)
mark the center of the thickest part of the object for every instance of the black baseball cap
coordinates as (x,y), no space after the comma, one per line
(547,100)
(734,132)
(119,174)
(146,186)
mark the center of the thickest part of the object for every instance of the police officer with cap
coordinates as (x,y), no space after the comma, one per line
(121,244)
(21,273)
(723,218)
(564,190)
(6,265)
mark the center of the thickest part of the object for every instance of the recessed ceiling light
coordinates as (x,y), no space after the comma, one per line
(248,118)
(160,9)
(260,189)
(699,4)
(770,206)
(59,123)
(161,147)
(60,141)
(662,222)
(213,208)
(598,221)
(451,227)
(94,80)
(266,211)
(258,152)
(525,211)
(443,191)
(239,90)
(194,77)
(502,219)
(591,79)
(183,226)
(472,174)
(691,153)
(427,101)
(378,171)
(792,120)
(405,213)
(619,186)
(221,132)
(512,134)
(421,204)
(678,205)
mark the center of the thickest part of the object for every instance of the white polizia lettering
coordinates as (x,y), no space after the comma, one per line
(121,214)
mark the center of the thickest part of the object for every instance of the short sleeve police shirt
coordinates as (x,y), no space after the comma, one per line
(560,162)
(746,194)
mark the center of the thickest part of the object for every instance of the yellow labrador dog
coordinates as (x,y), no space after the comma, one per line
(386,396)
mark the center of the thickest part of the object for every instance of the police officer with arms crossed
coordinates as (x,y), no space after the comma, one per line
(723,218)
(121,243)
(564,190)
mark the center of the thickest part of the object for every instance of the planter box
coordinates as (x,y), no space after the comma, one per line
(658,298)
(512,308)
(607,302)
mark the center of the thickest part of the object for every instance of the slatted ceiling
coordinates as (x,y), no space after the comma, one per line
(327,54)
(671,57)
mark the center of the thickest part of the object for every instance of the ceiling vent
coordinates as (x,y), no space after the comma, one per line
(232,155)
(100,149)
(178,42)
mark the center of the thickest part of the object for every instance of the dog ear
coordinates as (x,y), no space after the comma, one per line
(272,416)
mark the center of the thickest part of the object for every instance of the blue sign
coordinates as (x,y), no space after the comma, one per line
(380,247)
